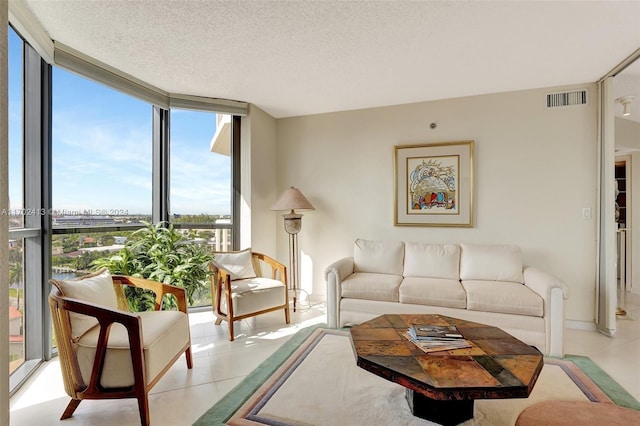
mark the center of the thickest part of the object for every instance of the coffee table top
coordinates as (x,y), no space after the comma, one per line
(496,366)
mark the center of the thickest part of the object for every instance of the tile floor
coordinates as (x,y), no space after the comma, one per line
(182,395)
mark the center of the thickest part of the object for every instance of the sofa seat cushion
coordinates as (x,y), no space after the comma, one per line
(255,294)
(370,286)
(433,291)
(504,297)
(432,260)
(165,334)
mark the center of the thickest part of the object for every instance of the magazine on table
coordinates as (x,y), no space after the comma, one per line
(430,332)
(433,338)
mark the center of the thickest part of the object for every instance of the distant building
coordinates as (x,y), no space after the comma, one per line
(70,221)
(115,247)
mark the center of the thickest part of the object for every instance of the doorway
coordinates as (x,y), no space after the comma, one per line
(619,97)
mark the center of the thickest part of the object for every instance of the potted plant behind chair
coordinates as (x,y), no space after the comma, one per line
(160,253)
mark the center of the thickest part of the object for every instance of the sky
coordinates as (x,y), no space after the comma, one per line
(102,150)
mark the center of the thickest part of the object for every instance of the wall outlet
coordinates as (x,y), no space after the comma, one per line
(586,213)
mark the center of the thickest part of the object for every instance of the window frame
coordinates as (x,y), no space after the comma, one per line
(36,143)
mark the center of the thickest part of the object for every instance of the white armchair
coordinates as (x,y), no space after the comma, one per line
(106,352)
(241,290)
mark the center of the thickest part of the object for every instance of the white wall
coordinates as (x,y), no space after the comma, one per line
(535,170)
(258,153)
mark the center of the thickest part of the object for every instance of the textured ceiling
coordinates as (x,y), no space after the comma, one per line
(304,57)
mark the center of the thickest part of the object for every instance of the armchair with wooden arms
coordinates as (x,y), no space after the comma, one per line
(240,289)
(106,352)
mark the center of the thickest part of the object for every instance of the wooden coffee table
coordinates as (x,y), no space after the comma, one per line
(442,386)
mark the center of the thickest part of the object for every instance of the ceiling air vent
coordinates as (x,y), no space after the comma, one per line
(562,99)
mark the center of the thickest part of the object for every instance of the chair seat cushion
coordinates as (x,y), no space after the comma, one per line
(257,294)
(372,286)
(165,335)
(433,291)
(504,297)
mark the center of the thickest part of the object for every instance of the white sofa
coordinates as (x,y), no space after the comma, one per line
(481,283)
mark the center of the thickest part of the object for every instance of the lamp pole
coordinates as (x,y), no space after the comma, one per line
(293,224)
(290,200)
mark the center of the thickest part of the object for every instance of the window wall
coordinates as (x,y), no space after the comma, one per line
(90,164)
(101,171)
(200,175)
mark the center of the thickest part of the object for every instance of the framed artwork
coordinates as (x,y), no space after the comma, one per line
(434,184)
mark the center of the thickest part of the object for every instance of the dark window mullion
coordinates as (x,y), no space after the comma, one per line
(161,126)
(236,192)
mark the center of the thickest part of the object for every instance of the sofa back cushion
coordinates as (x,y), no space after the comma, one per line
(383,257)
(432,260)
(491,262)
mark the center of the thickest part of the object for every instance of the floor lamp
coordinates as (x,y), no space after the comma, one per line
(292,199)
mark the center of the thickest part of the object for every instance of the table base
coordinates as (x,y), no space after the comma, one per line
(444,412)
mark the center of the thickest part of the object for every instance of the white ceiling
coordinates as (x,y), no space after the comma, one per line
(295,58)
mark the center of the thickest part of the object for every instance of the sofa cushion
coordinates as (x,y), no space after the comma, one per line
(432,260)
(371,286)
(384,257)
(491,262)
(433,292)
(504,297)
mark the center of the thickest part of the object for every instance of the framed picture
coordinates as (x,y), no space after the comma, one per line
(434,184)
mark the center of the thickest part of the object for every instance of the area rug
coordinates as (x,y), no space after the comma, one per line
(313,380)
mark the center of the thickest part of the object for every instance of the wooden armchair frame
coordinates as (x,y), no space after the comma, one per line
(220,280)
(75,386)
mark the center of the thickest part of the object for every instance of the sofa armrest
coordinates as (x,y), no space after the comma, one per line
(553,292)
(334,274)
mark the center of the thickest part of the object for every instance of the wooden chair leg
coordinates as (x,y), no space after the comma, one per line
(218,321)
(189,358)
(231,332)
(68,412)
(287,318)
(143,407)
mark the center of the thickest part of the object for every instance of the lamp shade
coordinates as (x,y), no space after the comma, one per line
(292,199)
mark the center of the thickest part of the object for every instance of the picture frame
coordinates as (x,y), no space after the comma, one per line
(434,184)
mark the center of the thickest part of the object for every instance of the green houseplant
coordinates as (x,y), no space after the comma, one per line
(160,253)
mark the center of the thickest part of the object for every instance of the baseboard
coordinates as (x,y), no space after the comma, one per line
(580,325)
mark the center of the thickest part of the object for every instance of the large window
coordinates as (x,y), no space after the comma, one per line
(200,180)
(88,165)
(200,173)
(102,162)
